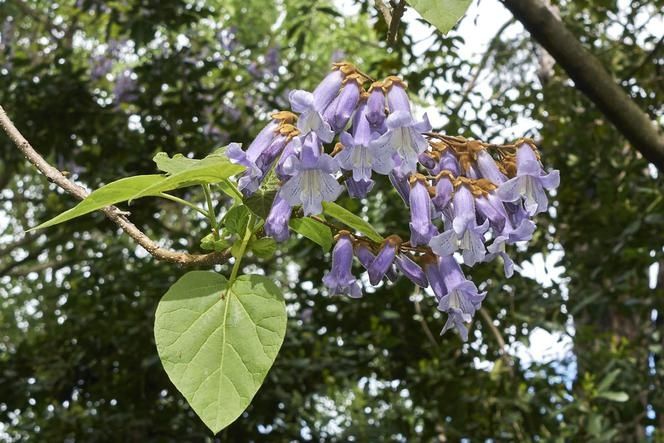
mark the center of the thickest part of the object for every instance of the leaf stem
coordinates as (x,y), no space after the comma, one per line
(210,212)
(183,202)
(243,247)
(229,188)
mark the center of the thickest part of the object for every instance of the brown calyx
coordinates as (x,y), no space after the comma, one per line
(284,116)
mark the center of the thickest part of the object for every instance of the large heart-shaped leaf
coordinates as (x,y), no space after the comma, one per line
(217,342)
(443,14)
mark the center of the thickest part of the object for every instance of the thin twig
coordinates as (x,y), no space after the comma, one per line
(111,212)
(385,10)
(498,336)
(397,13)
(423,321)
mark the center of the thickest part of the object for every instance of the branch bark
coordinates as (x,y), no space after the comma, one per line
(591,78)
(111,212)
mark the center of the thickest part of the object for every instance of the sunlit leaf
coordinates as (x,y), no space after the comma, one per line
(443,14)
(351,220)
(313,230)
(217,343)
(115,192)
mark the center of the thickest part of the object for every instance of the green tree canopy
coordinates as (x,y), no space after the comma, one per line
(99,88)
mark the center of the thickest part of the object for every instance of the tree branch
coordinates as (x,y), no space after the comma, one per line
(397,13)
(111,212)
(385,10)
(591,78)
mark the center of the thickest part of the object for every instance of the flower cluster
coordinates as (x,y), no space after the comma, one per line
(466,198)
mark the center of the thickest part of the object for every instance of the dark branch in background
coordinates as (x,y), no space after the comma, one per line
(591,78)
(392,17)
(397,13)
(111,212)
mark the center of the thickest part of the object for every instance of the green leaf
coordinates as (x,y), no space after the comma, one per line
(230,190)
(115,192)
(173,165)
(443,14)
(313,230)
(614,396)
(608,380)
(263,247)
(208,243)
(217,343)
(349,219)
(236,219)
(211,169)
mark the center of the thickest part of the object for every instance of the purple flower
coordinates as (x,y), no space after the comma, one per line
(421,227)
(340,280)
(342,107)
(447,162)
(126,87)
(435,276)
(411,270)
(376,108)
(505,231)
(359,188)
(276,223)
(397,97)
(489,169)
(328,89)
(464,234)
(263,151)
(311,180)
(404,139)
(310,119)
(292,149)
(383,261)
(356,155)
(404,135)
(530,182)
(364,254)
(462,299)
(400,181)
(444,194)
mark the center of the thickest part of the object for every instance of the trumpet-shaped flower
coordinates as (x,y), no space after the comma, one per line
(340,280)
(530,182)
(276,224)
(311,181)
(464,234)
(421,227)
(462,299)
(403,138)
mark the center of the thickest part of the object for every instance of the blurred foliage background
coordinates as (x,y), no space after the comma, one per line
(99,87)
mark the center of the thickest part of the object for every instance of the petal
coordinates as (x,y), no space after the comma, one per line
(512,189)
(444,244)
(328,89)
(290,191)
(424,125)
(327,164)
(551,180)
(397,99)
(346,139)
(330,189)
(399,119)
(301,101)
(411,270)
